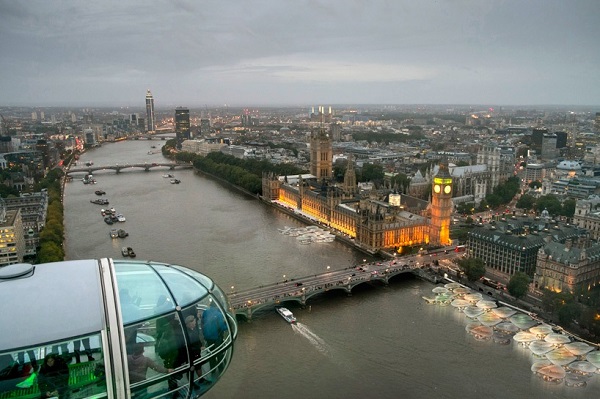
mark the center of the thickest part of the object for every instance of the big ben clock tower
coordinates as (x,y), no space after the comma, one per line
(441,207)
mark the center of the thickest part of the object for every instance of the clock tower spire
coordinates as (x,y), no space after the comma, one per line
(441,206)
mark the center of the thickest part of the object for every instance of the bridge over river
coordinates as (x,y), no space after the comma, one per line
(299,290)
(118,168)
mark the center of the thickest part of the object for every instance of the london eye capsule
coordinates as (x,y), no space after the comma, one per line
(111,329)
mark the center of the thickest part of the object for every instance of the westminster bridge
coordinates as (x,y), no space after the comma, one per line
(118,168)
(245,303)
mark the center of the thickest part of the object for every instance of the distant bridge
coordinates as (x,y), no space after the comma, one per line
(118,168)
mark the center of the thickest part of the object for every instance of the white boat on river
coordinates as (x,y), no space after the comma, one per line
(287,315)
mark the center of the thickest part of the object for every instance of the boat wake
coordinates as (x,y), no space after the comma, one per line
(313,338)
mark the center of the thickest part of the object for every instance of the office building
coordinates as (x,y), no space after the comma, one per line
(150,127)
(510,245)
(12,241)
(182,124)
(33,208)
(549,151)
(534,172)
(537,136)
(336,131)
(204,126)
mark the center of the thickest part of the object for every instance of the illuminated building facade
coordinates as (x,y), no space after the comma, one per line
(441,207)
(12,240)
(150,123)
(565,267)
(95,325)
(375,223)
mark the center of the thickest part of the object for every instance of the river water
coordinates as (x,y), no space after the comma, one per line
(381,342)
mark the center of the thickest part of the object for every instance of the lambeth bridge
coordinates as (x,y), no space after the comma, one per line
(244,303)
(120,167)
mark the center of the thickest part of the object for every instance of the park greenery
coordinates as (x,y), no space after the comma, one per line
(502,195)
(244,173)
(575,310)
(547,202)
(52,235)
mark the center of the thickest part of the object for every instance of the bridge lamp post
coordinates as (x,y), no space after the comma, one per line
(328,267)
(232,289)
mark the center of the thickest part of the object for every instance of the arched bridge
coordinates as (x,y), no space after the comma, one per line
(120,167)
(300,290)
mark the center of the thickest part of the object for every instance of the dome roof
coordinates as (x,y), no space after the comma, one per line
(569,165)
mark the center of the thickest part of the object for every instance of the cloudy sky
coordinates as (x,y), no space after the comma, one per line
(297,52)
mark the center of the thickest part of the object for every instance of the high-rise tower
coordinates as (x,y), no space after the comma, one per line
(182,124)
(150,127)
(441,207)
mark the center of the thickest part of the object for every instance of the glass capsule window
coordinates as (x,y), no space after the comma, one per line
(104,328)
(72,368)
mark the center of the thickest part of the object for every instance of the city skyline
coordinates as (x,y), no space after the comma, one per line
(307,52)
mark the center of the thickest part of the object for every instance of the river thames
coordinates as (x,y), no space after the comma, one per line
(381,342)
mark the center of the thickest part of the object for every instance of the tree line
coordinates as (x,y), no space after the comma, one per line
(52,235)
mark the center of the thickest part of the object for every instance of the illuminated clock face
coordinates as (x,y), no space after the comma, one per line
(447,189)
(436,188)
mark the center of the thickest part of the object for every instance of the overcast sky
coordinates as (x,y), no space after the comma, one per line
(297,52)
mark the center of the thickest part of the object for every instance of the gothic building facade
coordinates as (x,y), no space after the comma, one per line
(492,168)
(378,221)
(321,154)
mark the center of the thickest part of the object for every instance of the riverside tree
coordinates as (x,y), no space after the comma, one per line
(474,268)
(518,285)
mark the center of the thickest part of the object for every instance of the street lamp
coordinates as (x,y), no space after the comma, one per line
(327,268)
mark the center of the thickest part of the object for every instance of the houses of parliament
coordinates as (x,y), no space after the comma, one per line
(377,220)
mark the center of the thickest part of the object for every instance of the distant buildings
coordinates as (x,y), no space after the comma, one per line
(204,126)
(150,122)
(202,147)
(321,115)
